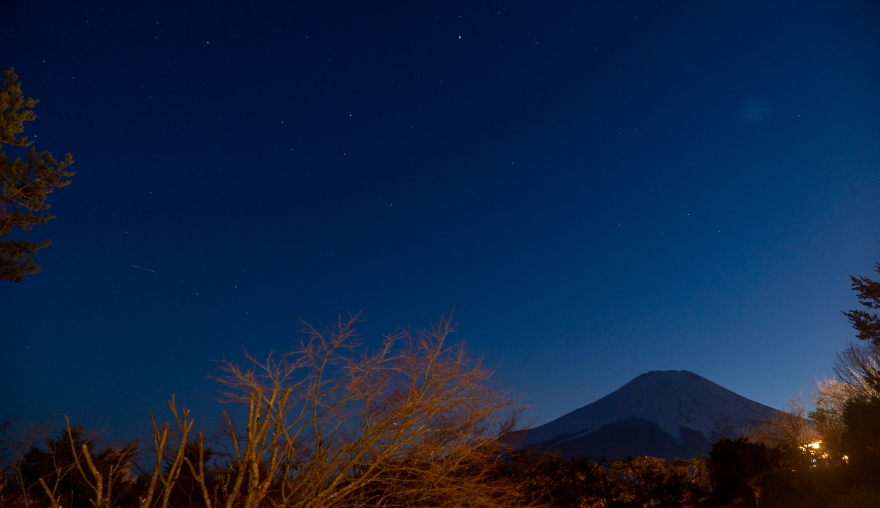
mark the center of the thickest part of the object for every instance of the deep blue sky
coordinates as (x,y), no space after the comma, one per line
(599,189)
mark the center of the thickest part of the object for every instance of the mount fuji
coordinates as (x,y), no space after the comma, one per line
(669,414)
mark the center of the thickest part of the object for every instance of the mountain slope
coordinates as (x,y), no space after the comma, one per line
(671,414)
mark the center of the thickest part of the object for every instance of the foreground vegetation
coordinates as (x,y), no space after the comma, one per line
(416,423)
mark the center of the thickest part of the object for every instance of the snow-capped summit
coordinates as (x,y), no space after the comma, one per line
(672,414)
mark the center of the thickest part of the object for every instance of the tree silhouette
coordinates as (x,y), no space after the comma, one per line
(24,184)
(57,469)
(867,324)
(859,367)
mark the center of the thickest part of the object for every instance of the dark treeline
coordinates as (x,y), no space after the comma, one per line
(70,470)
(49,476)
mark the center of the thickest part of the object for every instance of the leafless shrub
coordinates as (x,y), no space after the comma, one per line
(416,423)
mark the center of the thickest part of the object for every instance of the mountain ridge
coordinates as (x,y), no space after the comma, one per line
(688,408)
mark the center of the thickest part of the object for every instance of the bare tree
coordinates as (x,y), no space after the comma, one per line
(111,470)
(789,428)
(416,423)
(161,450)
(858,367)
(100,482)
(829,401)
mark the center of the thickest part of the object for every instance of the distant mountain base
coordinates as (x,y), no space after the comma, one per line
(628,438)
(667,414)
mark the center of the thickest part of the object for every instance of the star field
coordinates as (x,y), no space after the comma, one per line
(598,190)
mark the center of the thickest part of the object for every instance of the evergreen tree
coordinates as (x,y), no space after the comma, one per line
(51,472)
(859,366)
(867,324)
(24,184)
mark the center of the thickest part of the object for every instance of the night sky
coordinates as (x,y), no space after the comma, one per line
(598,189)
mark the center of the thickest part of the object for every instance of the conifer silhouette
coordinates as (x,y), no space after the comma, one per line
(866,324)
(24,184)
